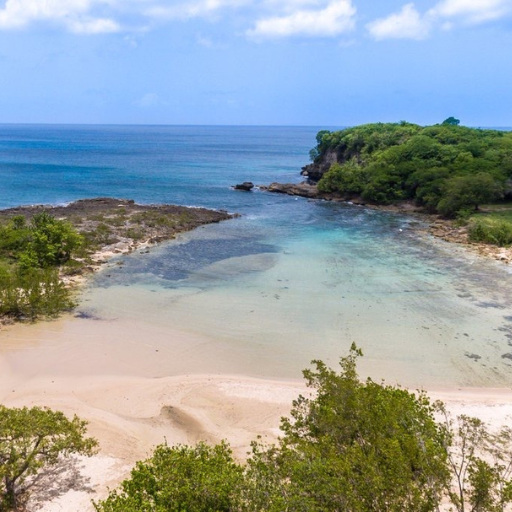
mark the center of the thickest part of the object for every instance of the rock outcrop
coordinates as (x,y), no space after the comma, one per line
(246,186)
(313,172)
(304,189)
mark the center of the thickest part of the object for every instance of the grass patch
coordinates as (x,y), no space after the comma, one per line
(492,225)
(154,219)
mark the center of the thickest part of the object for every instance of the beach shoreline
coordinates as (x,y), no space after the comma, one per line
(113,227)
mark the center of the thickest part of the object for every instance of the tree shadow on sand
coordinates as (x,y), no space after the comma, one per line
(55,481)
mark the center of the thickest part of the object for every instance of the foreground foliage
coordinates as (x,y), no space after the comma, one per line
(180,478)
(353,447)
(350,447)
(480,464)
(447,168)
(30,440)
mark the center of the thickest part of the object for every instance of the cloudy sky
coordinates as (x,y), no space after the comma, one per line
(284,62)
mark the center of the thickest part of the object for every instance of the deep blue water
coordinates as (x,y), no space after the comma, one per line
(151,164)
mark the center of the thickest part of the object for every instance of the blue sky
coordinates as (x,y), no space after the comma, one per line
(276,62)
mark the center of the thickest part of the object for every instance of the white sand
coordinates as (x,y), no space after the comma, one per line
(130,415)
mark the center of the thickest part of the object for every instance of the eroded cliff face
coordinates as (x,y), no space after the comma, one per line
(323,163)
(317,169)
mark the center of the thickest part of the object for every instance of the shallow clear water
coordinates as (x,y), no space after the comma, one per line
(288,281)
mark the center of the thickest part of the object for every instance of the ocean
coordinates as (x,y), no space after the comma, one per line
(289,281)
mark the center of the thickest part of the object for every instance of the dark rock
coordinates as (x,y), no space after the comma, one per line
(318,168)
(304,189)
(247,186)
(294,189)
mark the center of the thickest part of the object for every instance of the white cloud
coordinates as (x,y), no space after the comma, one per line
(149,99)
(74,14)
(334,19)
(194,9)
(410,24)
(472,11)
(95,16)
(407,24)
(264,19)
(93,26)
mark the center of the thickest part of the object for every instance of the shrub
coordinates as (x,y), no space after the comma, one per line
(490,231)
(178,479)
(32,293)
(353,447)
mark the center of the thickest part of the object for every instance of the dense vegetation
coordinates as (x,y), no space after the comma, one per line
(350,447)
(446,168)
(30,256)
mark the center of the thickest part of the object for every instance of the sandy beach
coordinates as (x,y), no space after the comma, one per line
(130,414)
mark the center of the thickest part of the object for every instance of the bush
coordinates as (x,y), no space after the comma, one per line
(178,479)
(490,231)
(29,280)
(32,293)
(346,179)
(52,241)
(468,192)
(43,243)
(353,447)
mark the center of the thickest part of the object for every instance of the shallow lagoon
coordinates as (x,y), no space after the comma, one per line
(270,294)
(289,281)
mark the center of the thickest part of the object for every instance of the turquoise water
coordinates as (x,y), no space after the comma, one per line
(288,281)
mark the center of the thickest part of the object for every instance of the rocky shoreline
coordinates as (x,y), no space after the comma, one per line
(445,229)
(113,226)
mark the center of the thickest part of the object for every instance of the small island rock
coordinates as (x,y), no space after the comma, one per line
(247,186)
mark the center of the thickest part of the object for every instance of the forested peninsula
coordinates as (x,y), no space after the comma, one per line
(444,169)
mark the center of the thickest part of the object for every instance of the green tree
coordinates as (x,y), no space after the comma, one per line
(179,479)
(468,192)
(480,462)
(385,162)
(30,440)
(352,447)
(44,242)
(347,179)
(32,293)
(452,121)
(52,240)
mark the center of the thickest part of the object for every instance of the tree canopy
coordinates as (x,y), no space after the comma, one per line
(178,479)
(353,446)
(30,254)
(445,167)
